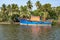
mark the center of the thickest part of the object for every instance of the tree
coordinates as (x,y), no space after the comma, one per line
(47,7)
(4,12)
(15,7)
(58,10)
(21,11)
(29,5)
(15,10)
(9,12)
(38,5)
(24,11)
(52,14)
(3,8)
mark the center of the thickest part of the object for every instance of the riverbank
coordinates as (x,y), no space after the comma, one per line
(9,23)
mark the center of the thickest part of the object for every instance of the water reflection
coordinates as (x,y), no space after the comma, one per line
(35,31)
(17,32)
(39,32)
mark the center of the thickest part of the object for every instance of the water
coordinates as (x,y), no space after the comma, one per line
(17,32)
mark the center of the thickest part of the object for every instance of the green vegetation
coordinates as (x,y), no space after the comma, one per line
(10,12)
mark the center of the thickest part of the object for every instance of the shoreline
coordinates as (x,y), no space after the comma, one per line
(9,23)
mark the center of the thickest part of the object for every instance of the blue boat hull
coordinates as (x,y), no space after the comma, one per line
(27,22)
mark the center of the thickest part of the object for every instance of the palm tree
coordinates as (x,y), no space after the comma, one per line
(23,11)
(15,10)
(29,5)
(0,15)
(38,5)
(3,10)
(9,9)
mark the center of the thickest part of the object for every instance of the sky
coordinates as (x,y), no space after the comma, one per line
(23,2)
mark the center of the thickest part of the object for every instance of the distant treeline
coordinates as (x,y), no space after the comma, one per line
(11,12)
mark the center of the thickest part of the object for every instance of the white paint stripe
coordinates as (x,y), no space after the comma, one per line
(36,24)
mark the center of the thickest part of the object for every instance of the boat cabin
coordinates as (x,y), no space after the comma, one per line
(35,18)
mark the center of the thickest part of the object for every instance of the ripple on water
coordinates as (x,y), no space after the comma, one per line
(17,32)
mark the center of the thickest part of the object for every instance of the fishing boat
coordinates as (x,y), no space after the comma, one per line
(35,21)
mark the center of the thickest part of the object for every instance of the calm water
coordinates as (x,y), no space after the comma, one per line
(17,32)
